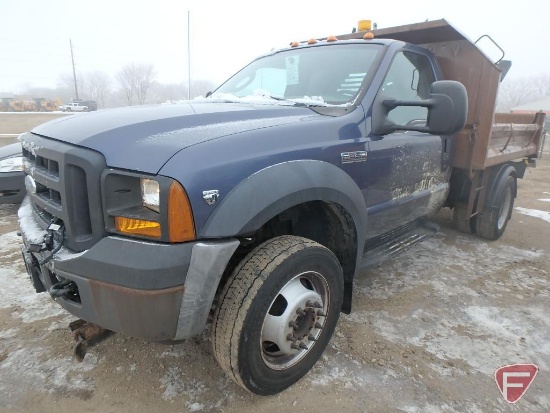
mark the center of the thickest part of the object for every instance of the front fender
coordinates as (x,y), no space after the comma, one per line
(279,187)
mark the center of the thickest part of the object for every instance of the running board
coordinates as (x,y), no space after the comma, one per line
(377,255)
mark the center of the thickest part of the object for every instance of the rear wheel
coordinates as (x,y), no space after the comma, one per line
(492,221)
(277,313)
(459,219)
(541,146)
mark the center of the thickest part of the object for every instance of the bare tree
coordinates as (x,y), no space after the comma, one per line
(66,81)
(542,84)
(125,81)
(97,86)
(135,80)
(514,92)
(164,92)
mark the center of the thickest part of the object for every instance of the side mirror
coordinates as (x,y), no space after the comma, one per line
(449,107)
(447,110)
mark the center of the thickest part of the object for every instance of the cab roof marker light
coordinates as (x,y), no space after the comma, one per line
(332,39)
(312,41)
(363,25)
(368,36)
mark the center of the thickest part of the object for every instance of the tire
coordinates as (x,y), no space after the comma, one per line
(460,223)
(541,146)
(259,338)
(491,222)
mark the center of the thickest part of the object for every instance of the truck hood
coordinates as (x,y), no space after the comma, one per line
(144,138)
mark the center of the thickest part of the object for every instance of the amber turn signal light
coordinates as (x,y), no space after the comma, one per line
(142,227)
(181,226)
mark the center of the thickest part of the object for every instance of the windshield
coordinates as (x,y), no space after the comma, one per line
(319,76)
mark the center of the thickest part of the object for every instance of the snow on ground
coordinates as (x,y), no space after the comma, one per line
(17,290)
(535,212)
(457,323)
(464,305)
(28,364)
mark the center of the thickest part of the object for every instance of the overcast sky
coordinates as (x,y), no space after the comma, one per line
(226,35)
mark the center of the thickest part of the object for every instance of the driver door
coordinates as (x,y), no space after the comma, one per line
(406,169)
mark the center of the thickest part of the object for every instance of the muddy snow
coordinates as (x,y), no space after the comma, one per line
(427,331)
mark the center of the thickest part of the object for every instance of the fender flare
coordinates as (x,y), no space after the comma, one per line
(274,189)
(497,182)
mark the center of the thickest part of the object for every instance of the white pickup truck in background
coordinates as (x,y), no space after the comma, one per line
(74,107)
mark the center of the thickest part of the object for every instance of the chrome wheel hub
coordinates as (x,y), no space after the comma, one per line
(294,320)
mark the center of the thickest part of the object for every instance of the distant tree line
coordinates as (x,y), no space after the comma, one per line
(134,84)
(518,91)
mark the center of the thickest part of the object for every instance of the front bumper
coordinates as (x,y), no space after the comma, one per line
(12,187)
(142,289)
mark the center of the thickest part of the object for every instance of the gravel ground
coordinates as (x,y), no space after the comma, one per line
(427,331)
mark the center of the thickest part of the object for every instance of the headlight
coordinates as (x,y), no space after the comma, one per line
(11,164)
(154,208)
(150,194)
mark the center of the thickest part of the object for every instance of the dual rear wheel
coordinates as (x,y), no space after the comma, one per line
(491,222)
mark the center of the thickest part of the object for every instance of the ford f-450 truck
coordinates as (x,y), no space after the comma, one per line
(259,204)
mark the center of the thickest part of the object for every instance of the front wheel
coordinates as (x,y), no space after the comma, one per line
(277,313)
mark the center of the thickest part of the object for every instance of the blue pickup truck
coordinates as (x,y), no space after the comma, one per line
(258,205)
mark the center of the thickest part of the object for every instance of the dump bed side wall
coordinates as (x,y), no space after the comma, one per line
(460,60)
(515,135)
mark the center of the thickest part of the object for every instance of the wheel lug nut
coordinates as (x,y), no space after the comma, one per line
(311,338)
(293,325)
(303,346)
(300,312)
(321,314)
(295,346)
(309,304)
(317,304)
(290,337)
(318,325)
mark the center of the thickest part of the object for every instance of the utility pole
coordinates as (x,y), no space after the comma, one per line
(188,55)
(74,71)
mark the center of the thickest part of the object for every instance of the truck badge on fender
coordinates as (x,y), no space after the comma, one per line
(349,157)
(211,196)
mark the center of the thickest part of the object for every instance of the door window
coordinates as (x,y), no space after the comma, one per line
(409,78)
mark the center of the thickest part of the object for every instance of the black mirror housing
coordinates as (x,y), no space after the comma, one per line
(449,107)
(447,110)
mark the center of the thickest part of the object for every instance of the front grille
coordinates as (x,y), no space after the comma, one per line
(67,182)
